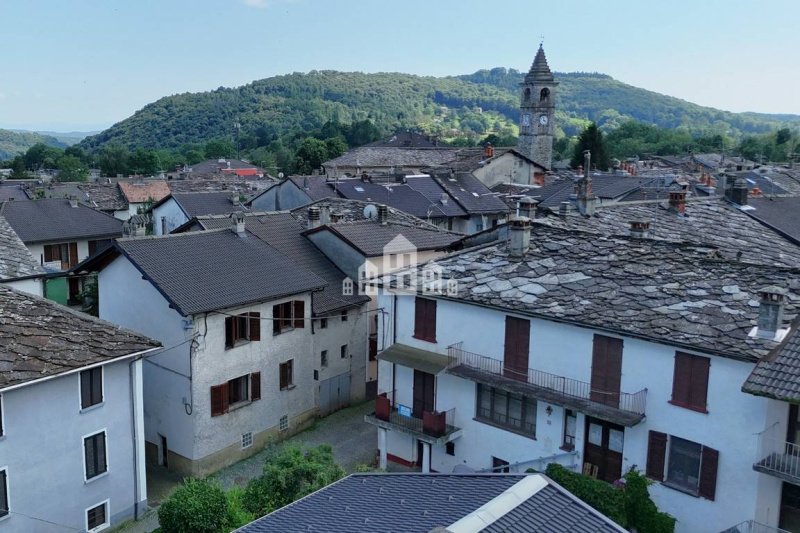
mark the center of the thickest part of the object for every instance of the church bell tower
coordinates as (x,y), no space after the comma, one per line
(537,112)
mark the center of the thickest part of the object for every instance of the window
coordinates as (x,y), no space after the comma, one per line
(570,422)
(343,351)
(506,409)
(98,246)
(344,315)
(682,464)
(284,423)
(91,387)
(97,517)
(247,439)
(3,492)
(323,323)
(450,448)
(94,454)
(235,392)
(425,319)
(690,381)
(500,466)
(287,316)
(242,328)
(323,358)
(286,370)
(64,253)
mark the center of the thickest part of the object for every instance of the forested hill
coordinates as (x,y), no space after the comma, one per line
(16,142)
(290,106)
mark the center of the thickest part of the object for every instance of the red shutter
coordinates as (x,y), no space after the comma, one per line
(299,313)
(656,454)
(690,381)
(255,326)
(708,473)
(698,383)
(276,319)
(219,399)
(230,331)
(255,386)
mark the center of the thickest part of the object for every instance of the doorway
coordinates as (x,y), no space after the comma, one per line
(603,450)
(424,393)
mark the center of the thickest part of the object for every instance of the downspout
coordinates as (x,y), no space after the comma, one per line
(136,438)
(394,341)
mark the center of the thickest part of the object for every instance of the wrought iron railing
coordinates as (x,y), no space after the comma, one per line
(433,423)
(779,457)
(564,386)
(751,526)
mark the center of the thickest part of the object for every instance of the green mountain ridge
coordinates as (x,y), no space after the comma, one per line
(290,106)
(14,142)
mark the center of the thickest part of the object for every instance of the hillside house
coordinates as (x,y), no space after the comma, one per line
(177,208)
(18,268)
(141,195)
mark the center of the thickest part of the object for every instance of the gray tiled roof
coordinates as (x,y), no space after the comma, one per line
(433,193)
(780,213)
(216,184)
(370,237)
(213,166)
(54,220)
(316,187)
(419,503)
(40,338)
(13,192)
(778,374)
(16,261)
(714,222)
(284,233)
(353,210)
(472,194)
(396,195)
(211,270)
(680,294)
(383,156)
(196,204)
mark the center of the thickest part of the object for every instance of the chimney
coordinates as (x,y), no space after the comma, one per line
(443,198)
(526,207)
(564,208)
(383,214)
(739,192)
(770,311)
(235,198)
(585,197)
(639,229)
(519,236)
(73,201)
(677,198)
(335,217)
(488,151)
(313,217)
(238,223)
(722,185)
(126,229)
(324,213)
(164,226)
(538,179)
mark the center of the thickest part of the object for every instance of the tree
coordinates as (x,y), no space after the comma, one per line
(18,169)
(197,506)
(70,168)
(310,155)
(362,132)
(783,135)
(335,146)
(41,156)
(289,475)
(218,148)
(591,139)
(114,160)
(144,162)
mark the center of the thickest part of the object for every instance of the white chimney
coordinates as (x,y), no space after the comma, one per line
(313,217)
(238,223)
(519,236)
(324,213)
(770,311)
(383,214)
(526,207)
(235,198)
(639,229)
(73,201)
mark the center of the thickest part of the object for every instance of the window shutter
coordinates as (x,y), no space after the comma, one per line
(255,326)
(282,374)
(698,382)
(656,453)
(73,254)
(430,320)
(419,318)
(681,378)
(276,319)
(101,453)
(255,386)
(230,331)
(86,394)
(97,385)
(299,313)
(708,473)
(219,399)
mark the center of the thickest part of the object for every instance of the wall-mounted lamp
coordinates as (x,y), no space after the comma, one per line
(549,410)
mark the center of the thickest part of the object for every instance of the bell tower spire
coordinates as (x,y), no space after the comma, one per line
(537,112)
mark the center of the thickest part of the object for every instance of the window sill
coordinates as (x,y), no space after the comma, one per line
(290,387)
(95,478)
(678,488)
(239,405)
(432,341)
(5,516)
(702,410)
(510,429)
(92,407)
(567,447)
(282,331)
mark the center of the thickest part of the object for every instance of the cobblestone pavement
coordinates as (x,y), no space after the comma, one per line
(353,441)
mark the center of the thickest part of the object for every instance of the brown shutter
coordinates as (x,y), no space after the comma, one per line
(430,320)
(255,386)
(282,372)
(73,254)
(656,453)
(230,331)
(517,347)
(299,313)
(681,378)
(708,473)
(698,383)
(419,318)
(276,319)
(255,326)
(219,399)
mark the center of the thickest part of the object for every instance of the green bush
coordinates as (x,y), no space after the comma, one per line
(237,516)
(197,506)
(599,494)
(642,514)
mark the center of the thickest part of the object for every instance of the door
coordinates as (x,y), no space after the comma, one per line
(324,397)
(793,433)
(424,393)
(606,370)
(164,459)
(602,454)
(343,391)
(790,507)
(517,347)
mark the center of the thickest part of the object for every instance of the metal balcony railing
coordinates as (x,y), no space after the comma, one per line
(554,384)
(779,458)
(751,526)
(433,423)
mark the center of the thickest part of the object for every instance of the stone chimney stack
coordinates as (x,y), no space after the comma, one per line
(738,193)
(488,151)
(639,229)
(313,217)
(770,311)
(325,213)
(677,198)
(383,214)
(238,223)
(335,217)
(235,198)
(586,199)
(73,201)
(519,236)
(526,207)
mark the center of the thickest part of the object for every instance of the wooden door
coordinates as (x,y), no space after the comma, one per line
(424,392)
(602,454)
(517,348)
(606,370)
(793,433)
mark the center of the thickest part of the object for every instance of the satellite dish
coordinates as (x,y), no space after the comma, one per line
(280,175)
(370,211)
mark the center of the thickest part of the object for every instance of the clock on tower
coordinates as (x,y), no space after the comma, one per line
(538,104)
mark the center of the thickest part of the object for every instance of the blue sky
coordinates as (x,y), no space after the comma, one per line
(85,64)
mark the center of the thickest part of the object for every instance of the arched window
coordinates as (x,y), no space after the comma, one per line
(527,94)
(544,95)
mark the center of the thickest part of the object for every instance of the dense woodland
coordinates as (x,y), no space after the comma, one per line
(292,123)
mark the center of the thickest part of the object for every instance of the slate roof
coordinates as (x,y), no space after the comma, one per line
(213,166)
(395,195)
(781,214)
(40,338)
(210,270)
(370,237)
(13,192)
(284,233)
(778,374)
(16,261)
(316,187)
(220,182)
(101,196)
(196,204)
(420,503)
(390,156)
(54,220)
(713,222)
(681,294)
(353,210)
(136,192)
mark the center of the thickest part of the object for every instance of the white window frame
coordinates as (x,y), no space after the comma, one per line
(2,418)
(104,525)
(83,409)
(83,455)
(8,494)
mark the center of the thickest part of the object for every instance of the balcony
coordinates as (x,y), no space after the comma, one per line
(751,526)
(780,459)
(618,407)
(432,427)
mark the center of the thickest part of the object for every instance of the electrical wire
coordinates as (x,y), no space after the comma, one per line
(45,521)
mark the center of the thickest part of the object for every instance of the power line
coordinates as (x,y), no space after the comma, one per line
(45,521)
